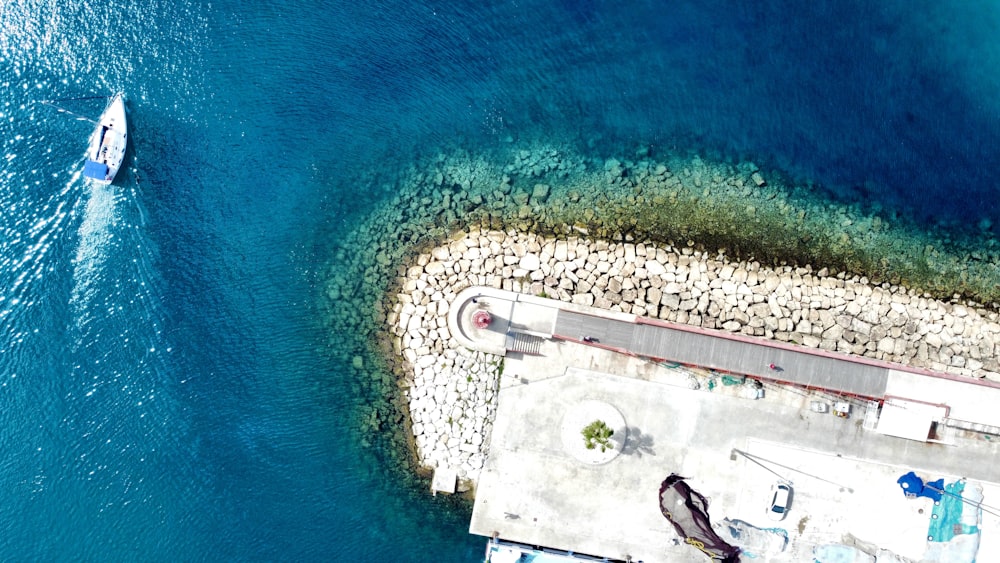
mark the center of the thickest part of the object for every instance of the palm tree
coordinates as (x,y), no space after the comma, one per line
(596,434)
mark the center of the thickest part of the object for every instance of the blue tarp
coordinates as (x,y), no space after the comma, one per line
(946,519)
(913,485)
(96,170)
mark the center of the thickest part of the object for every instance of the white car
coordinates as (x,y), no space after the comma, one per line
(781,500)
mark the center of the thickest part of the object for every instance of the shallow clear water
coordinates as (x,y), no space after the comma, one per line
(166,385)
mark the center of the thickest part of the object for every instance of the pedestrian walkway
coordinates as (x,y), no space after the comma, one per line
(727,353)
(518,318)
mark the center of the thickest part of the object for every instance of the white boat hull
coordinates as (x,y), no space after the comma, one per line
(107,143)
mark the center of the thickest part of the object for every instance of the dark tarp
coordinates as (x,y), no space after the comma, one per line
(687,510)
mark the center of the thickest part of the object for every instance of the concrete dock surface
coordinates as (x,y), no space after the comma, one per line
(535,489)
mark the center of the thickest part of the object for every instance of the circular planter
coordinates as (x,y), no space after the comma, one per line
(579,416)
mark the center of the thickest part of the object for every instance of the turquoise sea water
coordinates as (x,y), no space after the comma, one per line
(167,385)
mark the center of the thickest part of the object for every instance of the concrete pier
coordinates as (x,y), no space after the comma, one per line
(533,489)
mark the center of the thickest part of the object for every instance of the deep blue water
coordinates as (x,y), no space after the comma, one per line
(166,389)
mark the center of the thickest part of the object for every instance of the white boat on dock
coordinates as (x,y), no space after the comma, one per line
(107,144)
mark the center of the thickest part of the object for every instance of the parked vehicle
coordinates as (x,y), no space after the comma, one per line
(781,501)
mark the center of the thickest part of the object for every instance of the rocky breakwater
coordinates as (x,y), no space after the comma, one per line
(452,391)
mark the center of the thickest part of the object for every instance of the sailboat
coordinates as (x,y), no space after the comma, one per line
(107,143)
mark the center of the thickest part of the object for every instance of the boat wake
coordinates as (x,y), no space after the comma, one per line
(114,297)
(96,240)
(78,285)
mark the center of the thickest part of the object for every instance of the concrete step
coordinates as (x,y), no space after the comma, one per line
(524,343)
